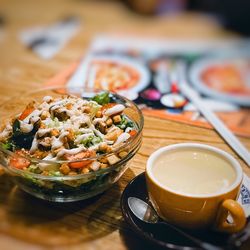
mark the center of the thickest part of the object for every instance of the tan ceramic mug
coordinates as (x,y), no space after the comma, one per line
(196,186)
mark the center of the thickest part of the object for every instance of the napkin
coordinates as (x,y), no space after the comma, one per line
(46,42)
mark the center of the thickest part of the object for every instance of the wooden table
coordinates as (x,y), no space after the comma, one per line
(28,223)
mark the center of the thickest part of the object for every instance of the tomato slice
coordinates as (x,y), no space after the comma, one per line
(79,164)
(79,156)
(19,162)
(132,132)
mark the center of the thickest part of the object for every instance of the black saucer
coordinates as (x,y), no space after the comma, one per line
(163,237)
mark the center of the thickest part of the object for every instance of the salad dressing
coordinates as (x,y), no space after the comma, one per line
(33,120)
(97,132)
(58,142)
(47,98)
(35,113)
(41,132)
(114,110)
(122,138)
(67,127)
(96,120)
(72,151)
(34,145)
(25,127)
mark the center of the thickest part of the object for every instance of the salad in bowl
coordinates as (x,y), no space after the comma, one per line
(64,144)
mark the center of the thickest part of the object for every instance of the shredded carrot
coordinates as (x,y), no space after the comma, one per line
(26,112)
(19,162)
(108,106)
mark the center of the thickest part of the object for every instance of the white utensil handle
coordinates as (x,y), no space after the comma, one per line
(229,137)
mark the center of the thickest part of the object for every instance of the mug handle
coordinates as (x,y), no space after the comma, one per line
(237,213)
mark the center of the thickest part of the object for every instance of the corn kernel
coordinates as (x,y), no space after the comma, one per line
(103,165)
(42,125)
(45,173)
(122,154)
(98,114)
(86,109)
(55,132)
(64,169)
(72,173)
(117,119)
(2,171)
(112,136)
(109,122)
(103,160)
(103,147)
(44,115)
(69,106)
(70,135)
(85,171)
(102,127)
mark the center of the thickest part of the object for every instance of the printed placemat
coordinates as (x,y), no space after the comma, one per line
(149,71)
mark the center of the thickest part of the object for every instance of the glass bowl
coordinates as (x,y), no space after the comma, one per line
(76,187)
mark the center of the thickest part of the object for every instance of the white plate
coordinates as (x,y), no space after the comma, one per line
(78,78)
(195,77)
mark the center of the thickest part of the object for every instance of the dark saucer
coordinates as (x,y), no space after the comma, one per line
(163,237)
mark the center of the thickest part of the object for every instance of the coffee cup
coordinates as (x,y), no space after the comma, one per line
(196,186)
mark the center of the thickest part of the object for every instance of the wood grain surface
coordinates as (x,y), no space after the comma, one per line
(29,223)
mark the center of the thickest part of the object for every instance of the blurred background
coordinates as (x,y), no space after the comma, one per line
(230,14)
(39,38)
(51,34)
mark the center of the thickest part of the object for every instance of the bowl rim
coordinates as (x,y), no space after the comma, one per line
(80,90)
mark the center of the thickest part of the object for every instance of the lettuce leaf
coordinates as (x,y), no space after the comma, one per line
(102,98)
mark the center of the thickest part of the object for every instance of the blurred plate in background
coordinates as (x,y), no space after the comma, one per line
(225,78)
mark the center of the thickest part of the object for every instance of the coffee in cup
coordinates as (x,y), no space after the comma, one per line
(195,186)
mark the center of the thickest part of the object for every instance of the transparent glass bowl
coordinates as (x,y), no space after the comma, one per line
(77,187)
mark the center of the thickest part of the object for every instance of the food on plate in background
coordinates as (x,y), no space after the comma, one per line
(113,76)
(226,78)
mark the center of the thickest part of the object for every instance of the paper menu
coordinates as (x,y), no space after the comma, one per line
(154,62)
